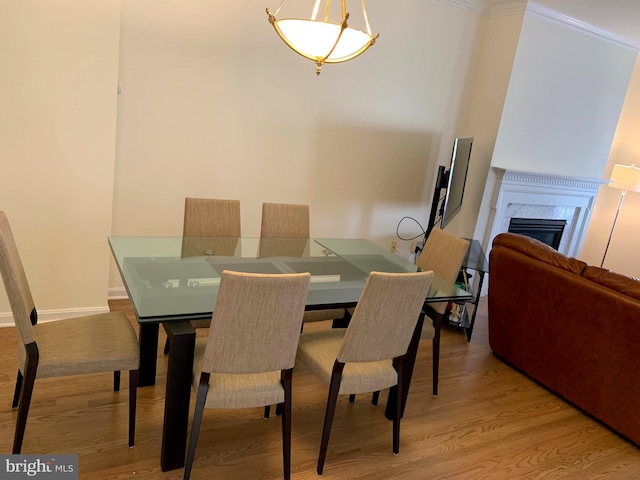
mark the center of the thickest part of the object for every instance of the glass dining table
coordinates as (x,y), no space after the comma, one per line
(172,280)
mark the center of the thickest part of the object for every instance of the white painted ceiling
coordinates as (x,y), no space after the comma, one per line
(621,17)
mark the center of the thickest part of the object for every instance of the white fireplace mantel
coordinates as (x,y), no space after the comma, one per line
(535,195)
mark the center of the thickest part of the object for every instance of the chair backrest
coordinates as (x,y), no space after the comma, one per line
(15,282)
(443,253)
(385,317)
(283,220)
(208,217)
(256,322)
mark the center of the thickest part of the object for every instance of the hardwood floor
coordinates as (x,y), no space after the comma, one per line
(489,422)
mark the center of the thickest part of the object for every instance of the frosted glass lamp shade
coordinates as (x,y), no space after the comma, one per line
(321,40)
(314,40)
(625,177)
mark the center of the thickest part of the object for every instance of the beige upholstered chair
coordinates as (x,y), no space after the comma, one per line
(443,253)
(209,225)
(248,358)
(91,344)
(289,223)
(284,220)
(206,217)
(369,355)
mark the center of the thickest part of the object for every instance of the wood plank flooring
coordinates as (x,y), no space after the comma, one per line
(489,422)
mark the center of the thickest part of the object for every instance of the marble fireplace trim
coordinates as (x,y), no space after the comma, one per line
(534,195)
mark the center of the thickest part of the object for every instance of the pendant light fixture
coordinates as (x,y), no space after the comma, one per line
(323,41)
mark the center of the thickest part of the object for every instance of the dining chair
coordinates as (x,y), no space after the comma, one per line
(284,220)
(80,345)
(210,217)
(368,355)
(443,253)
(210,226)
(248,358)
(286,223)
(284,231)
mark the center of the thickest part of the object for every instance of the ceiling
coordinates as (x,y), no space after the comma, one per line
(621,17)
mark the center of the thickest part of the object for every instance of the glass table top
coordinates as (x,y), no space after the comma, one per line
(177,278)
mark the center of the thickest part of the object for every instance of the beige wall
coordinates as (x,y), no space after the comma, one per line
(213,104)
(57,144)
(488,87)
(622,254)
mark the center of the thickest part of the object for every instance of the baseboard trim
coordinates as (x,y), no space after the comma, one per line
(117,293)
(6,318)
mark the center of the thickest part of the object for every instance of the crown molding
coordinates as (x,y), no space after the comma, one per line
(510,7)
(576,24)
(513,7)
(504,8)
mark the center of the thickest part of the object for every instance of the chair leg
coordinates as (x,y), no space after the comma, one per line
(133,396)
(332,400)
(16,392)
(436,353)
(116,381)
(279,408)
(352,398)
(201,397)
(375,397)
(166,346)
(286,380)
(267,412)
(398,365)
(31,367)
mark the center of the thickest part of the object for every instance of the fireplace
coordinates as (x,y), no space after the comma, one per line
(546,230)
(526,195)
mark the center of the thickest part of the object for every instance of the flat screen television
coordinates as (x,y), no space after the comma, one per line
(456,179)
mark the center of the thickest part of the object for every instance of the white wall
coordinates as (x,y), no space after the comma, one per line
(562,106)
(621,256)
(564,100)
(214,104)
(57,129)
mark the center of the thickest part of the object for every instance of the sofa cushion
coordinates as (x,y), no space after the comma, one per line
(615,281)
(540,251)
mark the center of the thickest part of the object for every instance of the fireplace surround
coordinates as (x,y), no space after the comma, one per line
(529,195)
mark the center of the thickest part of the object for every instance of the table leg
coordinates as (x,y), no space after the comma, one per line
(148,354)
(408,364)
(475,301)
(182,338)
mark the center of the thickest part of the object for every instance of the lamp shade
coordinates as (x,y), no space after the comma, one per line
(625,177)
(321,40)
(316,40)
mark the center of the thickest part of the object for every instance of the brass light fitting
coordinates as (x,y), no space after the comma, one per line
(323,41)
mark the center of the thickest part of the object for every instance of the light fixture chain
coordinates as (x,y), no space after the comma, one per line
(316,6)
(366,18)
(279,7)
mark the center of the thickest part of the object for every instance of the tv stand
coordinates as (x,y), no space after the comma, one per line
(475,260)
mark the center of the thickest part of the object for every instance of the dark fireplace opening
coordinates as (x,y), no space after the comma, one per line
(545,230)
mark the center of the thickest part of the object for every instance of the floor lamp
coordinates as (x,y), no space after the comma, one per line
(625,178)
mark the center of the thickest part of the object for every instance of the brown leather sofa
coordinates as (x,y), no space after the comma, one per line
(569,326)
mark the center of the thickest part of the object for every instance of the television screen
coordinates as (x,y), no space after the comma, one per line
(456,179)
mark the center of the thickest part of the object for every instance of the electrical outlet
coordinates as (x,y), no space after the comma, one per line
(393,246)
